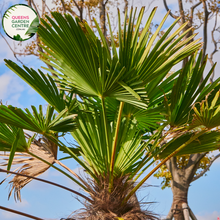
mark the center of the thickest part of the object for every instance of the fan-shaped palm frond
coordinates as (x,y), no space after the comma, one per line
(84,64)
(187,91)
(38,122)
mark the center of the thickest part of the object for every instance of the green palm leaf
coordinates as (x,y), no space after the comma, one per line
(37,122)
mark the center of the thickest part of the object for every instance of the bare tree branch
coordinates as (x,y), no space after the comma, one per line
(205,28)
(215,46)
(102,16)
(72,12)
(192,12)
(48,7)
(167,8)
(14,52)
(43,6)
(20,213)
(76,5)
(29,3)
(182,14)
(89,15)
(148,6)
(35,7)
(81,10)
(63,4)
(206,169)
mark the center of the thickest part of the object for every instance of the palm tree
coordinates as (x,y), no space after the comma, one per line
(119,116)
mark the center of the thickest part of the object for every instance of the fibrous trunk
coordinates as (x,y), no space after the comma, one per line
(108,205)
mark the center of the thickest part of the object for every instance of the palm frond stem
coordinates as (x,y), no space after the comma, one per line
(20,213)
(115,143)
(58,169)
(67,168)
(105,126)
(46,181)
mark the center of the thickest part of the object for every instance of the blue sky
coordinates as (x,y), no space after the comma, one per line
(49,202)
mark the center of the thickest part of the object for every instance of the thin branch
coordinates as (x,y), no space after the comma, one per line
(182,14)
(81,10)
(20,213)
(72,12)
(167,8)
(48,8)
(63,4)
(35,7)
(215,46)
(89,15)
(206,169)
(148,6)
(198,26)
(205,29)
(76,5)
(192,12)
(15,53)
(106,2)
(43,7)
(29,3)
(46,181)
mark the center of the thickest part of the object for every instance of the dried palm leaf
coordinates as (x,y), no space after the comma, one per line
(28,165)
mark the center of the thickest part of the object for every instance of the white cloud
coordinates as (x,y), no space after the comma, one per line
(5,52)
(209,216)
(22,204)
(11,88)
(5,80)
(9,215)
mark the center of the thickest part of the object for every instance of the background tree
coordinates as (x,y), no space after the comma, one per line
(180,172)
(83,9)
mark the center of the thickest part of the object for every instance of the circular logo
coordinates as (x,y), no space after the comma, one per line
(20,22)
